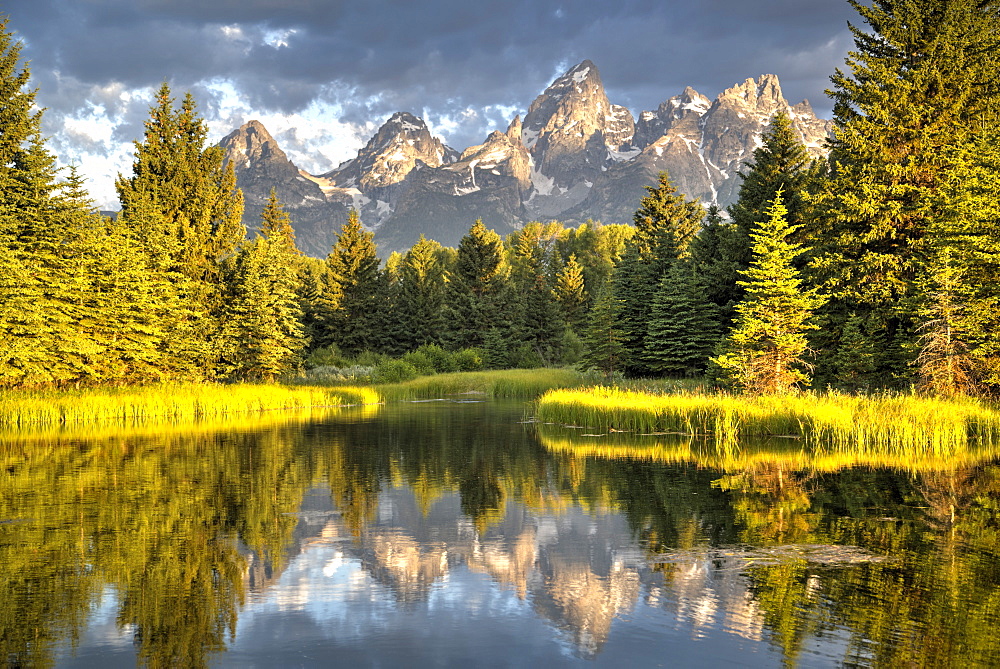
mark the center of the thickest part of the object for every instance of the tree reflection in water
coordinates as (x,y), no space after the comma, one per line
(187,527)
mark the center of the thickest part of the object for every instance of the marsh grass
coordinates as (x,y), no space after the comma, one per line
(882,423)
(499,384)
(130,405)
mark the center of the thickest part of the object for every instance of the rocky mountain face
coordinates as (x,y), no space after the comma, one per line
(574,156)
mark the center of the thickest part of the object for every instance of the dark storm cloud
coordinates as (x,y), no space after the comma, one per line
(440,58)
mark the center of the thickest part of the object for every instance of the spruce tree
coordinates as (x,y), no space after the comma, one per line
(968,230)
(420,303)
(262,334)
(666,224)
(715,252)
(944,363)
(764,352)
(478,296)
(352,322)
(856,357)
(683,326)
(662,211)
(539,325)
(605,350)
(181,203)
(924,78)
(780,163)
(569,292)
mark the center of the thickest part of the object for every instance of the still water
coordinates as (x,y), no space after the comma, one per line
(455,533)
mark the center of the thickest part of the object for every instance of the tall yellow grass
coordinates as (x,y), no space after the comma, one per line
(882,422)
(40,409)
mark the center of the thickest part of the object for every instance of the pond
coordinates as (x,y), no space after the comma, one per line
(460,533)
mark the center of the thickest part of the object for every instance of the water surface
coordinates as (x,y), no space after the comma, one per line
(454,533)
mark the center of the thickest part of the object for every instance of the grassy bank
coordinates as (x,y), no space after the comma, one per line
(500,384)
(35,409)
(51,409)
(885,422)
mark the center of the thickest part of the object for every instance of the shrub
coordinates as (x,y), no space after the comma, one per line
(325,356)
(442,360)
(420,361)
(394,371)
(526,357)
(370,359)
(468,360)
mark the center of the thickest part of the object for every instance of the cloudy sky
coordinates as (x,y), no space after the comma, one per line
(323,74)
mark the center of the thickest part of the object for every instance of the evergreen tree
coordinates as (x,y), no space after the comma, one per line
(478,291)
(665,227)
(856,356)
(191,188)
(665,219)
(539,325)
(27,170)
(715,251)
(923,80)
(968,230)
(605,350)
(421,295)
(262,335)
(355,278)
(684,325)
(782,163)
(764,351)
(569,292)
(181,203)
(944,363)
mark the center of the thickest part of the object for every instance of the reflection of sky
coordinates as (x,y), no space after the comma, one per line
(328,609)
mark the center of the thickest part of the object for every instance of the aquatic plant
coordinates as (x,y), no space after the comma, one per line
(889,422)
(167,401)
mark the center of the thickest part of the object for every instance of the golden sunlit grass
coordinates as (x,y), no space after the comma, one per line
(41,409)
(500,384)
(884,423)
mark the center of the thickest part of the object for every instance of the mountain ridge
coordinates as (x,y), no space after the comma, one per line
(573,156)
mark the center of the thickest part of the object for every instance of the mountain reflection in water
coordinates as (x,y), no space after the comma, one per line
(453,534)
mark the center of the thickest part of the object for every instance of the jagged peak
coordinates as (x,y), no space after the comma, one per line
(574,77)
(766,87)
(804,108)
(514,129)
(407,121)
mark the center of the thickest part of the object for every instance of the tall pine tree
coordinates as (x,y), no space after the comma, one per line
(352,322)
(924,78)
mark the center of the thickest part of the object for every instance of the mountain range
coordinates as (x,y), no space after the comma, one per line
(574,156)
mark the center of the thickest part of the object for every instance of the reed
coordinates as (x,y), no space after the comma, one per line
(885,423)
(499,384)
(35,409)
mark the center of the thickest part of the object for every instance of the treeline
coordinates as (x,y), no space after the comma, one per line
(878,266)
(171,288)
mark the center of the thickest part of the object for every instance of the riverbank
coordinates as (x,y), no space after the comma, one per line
(885,422)
(525,384)
(41,409)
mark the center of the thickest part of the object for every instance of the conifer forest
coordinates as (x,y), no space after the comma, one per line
(877,267)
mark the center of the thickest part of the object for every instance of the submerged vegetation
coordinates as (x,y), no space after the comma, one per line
(888,422)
